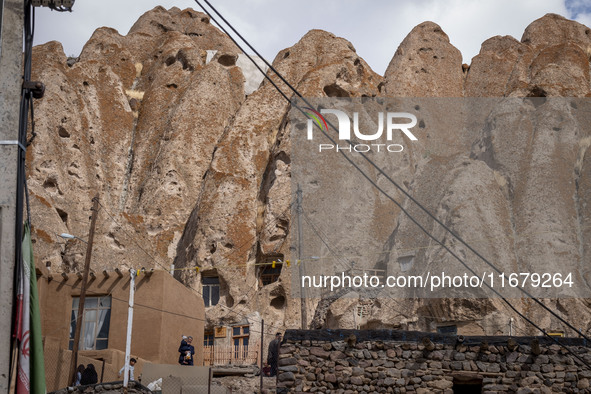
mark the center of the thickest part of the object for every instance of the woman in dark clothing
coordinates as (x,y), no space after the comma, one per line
(79,374)
(186,351)
(273,354)
(89,376)
(181,347)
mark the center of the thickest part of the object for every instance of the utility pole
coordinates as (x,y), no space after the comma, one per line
(11,71)
(303,300)
(133,274)
(262,348)
(80,318)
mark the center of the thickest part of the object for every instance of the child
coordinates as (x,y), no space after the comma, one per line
(132,362)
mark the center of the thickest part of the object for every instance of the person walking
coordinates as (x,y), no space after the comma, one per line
(186,351)
(273,354)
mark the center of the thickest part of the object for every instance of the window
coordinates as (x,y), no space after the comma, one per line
(211,290)
(447,330)
(240,336)
(208,338)
(405,262)
(94,334)
(270,270)
(363,311)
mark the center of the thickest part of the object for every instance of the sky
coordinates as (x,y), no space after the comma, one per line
(375,27)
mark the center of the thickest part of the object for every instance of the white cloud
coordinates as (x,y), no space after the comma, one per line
(585,19)
(375,28)
(470,23)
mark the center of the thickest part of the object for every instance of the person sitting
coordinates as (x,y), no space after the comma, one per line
(79,374)
(89,376)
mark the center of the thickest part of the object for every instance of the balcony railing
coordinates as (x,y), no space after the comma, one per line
(231,355)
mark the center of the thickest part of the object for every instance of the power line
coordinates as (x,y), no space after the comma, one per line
(387,177)
(250,46)
(230,309)
(318,234)
(93,293)
(246,54)
(225,257)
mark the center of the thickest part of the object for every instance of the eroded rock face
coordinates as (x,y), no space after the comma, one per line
(495,65)
(234,236)
(143,115)
(552,59)
(516,165)
(425,65)
(190,171)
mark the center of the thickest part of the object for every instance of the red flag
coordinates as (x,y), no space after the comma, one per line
(23,385)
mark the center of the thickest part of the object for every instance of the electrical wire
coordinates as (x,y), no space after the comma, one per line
(255,330)
(247,55)
(343,264)
(191,288)
(102,294)
(250,46)
(26,105)
(225,257)
(230,309)
(390,180)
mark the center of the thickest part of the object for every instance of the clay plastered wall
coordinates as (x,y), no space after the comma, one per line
(383,362)
(195,172)
(156,334)
(57,362)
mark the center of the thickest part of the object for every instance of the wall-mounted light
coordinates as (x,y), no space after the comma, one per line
(70,236)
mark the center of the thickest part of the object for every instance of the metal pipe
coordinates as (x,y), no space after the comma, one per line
(133,273)
(262,347)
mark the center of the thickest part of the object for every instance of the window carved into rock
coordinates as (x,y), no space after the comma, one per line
(211,290)
(269,269)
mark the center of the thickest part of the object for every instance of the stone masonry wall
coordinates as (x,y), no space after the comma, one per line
(105,388)
(388,361)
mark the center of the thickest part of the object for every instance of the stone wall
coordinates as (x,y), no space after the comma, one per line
(105,388)
(388,361)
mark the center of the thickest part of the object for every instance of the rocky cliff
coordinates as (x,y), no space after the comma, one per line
(194,170)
